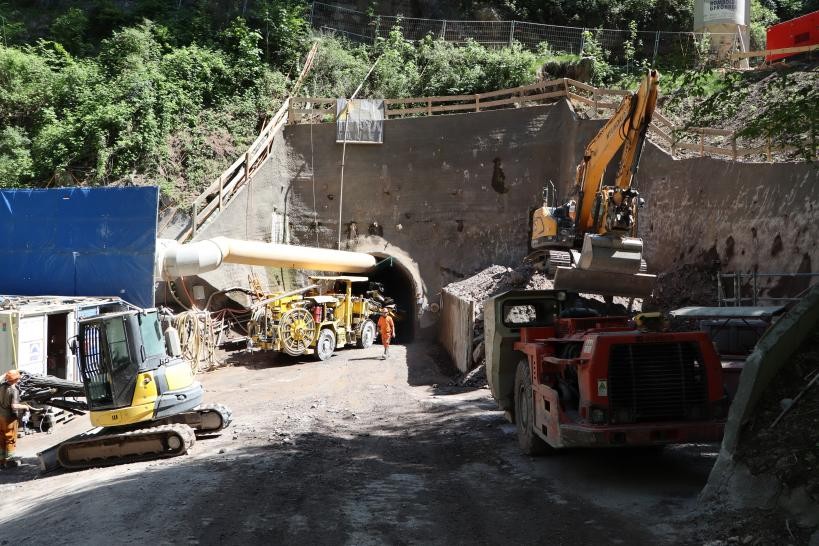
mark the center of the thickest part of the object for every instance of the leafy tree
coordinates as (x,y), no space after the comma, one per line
(762,17)
(284,30)
(15,157)
(593,50)
(70,29)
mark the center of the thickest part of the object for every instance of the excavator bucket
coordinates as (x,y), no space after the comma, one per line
(609,266)
(611,254)
(605,283)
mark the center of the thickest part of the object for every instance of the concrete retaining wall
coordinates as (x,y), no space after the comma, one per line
(455,329)
(454,192)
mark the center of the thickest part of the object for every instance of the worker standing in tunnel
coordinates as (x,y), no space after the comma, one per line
(387,328)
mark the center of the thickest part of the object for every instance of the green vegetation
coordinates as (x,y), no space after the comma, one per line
(97,93)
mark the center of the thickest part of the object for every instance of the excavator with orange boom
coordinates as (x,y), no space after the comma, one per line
(591,244)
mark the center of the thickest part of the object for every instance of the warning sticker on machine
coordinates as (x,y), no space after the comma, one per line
(602,387)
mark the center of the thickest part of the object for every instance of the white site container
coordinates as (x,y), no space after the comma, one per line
(35,332)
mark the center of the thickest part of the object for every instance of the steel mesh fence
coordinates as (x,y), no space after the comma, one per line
(661,48)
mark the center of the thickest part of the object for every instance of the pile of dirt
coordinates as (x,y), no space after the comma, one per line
(689,284)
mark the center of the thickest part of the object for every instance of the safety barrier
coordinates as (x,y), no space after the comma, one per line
(676,138)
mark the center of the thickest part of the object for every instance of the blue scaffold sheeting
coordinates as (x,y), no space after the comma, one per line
(79,242)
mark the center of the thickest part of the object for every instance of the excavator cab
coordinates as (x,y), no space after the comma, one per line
(128,376)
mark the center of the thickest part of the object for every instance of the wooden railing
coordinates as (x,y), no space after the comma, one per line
(768,52)
(220,192)
(317,110)
(676,138)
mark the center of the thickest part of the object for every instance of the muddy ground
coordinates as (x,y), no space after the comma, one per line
(357,451)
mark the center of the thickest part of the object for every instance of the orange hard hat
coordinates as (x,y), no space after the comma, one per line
(12,376)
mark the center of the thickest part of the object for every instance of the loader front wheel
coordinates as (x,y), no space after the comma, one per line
(529,442)
(366,335)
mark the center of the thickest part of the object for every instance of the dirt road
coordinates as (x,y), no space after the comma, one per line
(356,451)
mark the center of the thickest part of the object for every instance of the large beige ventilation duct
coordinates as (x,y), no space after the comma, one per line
(180,260)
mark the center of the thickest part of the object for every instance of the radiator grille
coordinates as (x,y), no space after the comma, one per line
(657,382)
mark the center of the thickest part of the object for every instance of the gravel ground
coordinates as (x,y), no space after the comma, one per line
(357,450)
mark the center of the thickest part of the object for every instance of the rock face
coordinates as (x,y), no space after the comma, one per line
(769,459)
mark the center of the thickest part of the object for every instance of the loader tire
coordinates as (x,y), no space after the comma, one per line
(529,442)
(325,345)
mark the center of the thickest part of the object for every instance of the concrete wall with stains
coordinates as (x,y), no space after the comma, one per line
(749,216)
(454,192)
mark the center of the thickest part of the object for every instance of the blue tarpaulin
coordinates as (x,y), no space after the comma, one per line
(79,242)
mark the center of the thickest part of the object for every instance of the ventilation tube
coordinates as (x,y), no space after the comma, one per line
(181,260)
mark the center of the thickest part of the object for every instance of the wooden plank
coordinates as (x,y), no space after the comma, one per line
(717,150)
(308,64)
(764,53)
(501,92)
(710,131)
(553,83)
(580,98)
(661,117)
(581,85)
(688,146)
(500,102)
(315,100)
(668,138)
(311,111)
(542,96)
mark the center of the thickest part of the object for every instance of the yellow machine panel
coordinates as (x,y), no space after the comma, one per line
(179,376)
(141,408)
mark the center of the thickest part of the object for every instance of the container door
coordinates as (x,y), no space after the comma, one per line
(8,336)
(32,344)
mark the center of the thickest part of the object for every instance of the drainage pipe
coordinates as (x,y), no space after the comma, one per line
(180,260)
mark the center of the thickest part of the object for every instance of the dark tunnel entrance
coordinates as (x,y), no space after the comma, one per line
(398,285)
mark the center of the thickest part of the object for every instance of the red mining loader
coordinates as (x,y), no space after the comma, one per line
(572,378)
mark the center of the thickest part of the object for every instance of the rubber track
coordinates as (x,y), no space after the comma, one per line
(224,411)
(183,432)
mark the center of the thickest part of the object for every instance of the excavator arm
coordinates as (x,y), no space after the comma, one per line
(592,245)
(625,130)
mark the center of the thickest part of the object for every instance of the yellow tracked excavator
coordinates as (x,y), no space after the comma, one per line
(590,244)
(141,394)
(140,390)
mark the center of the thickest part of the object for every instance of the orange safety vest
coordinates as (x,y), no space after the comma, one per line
(386,326)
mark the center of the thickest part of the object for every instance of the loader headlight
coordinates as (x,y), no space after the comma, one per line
(598,416)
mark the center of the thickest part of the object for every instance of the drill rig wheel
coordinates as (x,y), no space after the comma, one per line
(326,344)
(297,330)
(366,336)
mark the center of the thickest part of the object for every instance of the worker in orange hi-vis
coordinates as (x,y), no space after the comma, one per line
(10,410)
(387,328)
